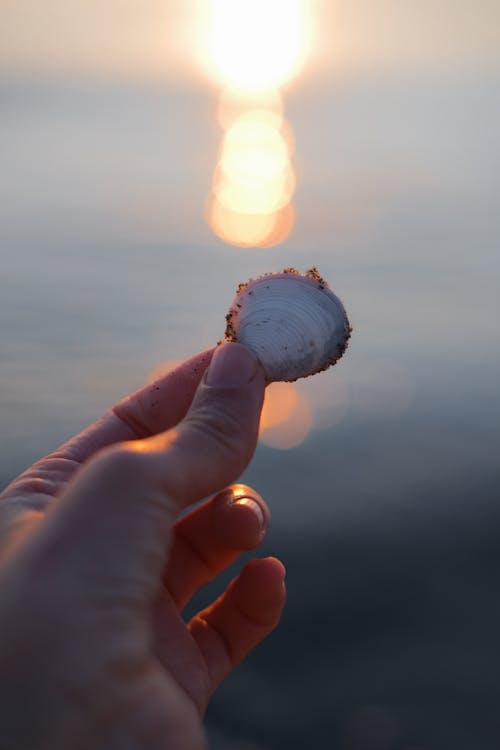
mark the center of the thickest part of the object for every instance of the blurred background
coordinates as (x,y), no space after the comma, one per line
(156,153)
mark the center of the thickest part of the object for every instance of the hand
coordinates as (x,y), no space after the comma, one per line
(95,567)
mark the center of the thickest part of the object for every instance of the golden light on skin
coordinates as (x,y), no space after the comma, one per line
(255,45)
(286,419)
(162,369)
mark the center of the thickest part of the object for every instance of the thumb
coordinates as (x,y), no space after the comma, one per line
(115,517)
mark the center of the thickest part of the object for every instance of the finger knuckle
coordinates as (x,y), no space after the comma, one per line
(123,460)
(220,426)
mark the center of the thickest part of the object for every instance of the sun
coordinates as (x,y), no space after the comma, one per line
(255,45)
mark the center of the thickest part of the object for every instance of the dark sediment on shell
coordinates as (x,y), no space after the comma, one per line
(313,277)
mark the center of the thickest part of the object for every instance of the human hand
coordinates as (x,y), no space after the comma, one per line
(95,567)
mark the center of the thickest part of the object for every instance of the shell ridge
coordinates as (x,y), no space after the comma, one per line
(294,323)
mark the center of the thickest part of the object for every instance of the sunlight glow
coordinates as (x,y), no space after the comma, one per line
(257,44)
(233,103)
(253,49)
(286,418)
(280,401)
(254,181)
(241,229)
(255,149)
(250,230)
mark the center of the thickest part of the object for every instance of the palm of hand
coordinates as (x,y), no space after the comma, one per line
(93,643)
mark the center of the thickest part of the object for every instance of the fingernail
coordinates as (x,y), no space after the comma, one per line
(231,365)
(253,505)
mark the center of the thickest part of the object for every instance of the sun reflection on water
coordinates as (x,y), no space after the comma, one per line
(253,50)
(233,102)
(254,180)
(286,418)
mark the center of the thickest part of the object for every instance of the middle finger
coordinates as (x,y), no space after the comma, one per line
(209,539)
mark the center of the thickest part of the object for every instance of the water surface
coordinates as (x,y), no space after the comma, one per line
(387,516)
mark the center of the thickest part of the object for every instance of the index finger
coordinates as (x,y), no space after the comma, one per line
(156,407)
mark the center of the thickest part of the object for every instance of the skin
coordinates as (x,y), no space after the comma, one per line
(96,566)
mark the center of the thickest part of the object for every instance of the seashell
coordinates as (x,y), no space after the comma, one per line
(292,322)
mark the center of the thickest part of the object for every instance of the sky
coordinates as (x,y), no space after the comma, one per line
(159,38)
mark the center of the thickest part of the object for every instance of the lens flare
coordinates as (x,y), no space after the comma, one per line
(240,229)
(286,418)
(253,48)
(254,181)
(260,196)
(255,149)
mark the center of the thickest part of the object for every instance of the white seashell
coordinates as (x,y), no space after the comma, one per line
(294,323)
